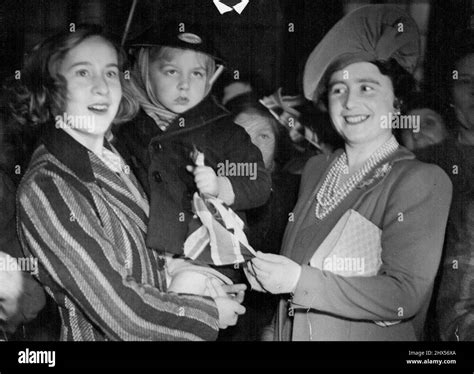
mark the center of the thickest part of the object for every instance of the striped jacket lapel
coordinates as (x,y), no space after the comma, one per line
(116,187)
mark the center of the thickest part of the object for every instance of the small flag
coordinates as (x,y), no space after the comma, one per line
(220,240)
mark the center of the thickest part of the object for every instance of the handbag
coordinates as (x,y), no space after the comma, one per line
(352,248)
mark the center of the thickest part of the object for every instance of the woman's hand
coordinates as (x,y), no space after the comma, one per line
(252,277)
(11,287)
(229,309)
(277,274)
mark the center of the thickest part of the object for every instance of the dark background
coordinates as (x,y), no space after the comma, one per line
(258,43)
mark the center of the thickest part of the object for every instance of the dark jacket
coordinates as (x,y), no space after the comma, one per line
(159,160)
(454,288)
(455,297)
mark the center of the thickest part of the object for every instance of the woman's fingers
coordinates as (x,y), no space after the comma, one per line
(249,268)
(229,311)
(234,288)
(270,257)
(217,285)
(252,278)
(239,309)
(211,289)
(262,267)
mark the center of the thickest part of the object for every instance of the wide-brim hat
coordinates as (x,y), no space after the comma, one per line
(370,33)
(178,35)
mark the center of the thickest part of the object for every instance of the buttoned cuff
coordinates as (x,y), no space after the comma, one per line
(226,191)
(297,279)
(304,294)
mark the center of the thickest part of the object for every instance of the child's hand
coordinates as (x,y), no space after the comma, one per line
(229,310)
(206,179)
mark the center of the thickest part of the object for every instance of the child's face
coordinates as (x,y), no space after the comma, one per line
(93,87)
(179,83)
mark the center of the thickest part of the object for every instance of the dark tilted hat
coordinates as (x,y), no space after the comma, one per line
(178,35)
(370,33)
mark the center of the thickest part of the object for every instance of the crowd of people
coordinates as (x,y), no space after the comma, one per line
(357,201)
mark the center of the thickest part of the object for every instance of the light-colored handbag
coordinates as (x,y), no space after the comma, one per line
(352,248)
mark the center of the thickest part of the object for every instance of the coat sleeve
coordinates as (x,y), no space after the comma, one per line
(455,305)
(414,223)
(32,299)
(251,191)
(80,258)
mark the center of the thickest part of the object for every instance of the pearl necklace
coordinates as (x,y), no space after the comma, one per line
(330,195)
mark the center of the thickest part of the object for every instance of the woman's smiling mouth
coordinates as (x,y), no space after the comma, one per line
(98,108)
(354,120)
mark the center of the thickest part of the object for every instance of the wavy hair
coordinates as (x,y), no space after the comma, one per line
(41,93)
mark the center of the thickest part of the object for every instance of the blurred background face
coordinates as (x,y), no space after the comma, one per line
(261,133)
(432,130)
(359,97)
(463,92)
(93,85)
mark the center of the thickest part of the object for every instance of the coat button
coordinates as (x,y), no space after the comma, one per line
(157,177)
(157,147)
(161,263)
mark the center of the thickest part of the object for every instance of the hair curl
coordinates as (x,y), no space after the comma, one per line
(41,93)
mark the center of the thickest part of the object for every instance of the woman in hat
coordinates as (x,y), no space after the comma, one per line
(82,213)
(360,255)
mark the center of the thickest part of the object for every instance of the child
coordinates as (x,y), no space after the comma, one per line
(172,77)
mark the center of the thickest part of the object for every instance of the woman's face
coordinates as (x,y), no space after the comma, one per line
(93,87)
(359,99)
(463,91)
(432,129)
(180,83)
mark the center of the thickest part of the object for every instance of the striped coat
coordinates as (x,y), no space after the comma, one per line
(88,232)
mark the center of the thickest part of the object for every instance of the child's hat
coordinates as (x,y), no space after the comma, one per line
(370,33)
(178,35)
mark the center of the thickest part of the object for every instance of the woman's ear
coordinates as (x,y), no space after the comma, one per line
(397,105)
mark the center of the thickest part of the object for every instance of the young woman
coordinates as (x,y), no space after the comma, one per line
(82,212)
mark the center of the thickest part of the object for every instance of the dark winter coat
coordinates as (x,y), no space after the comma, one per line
(159,160)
